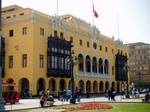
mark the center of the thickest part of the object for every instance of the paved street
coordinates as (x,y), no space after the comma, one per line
(34,103)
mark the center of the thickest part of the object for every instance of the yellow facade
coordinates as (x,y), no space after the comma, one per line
(34,44)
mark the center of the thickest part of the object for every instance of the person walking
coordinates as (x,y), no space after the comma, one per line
(42,100)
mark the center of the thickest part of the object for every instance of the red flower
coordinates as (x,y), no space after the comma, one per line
(89,106)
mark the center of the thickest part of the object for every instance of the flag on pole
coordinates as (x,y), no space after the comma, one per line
(94,12)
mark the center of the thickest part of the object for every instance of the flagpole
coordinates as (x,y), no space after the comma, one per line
(56,7)
(118,27)
(57,21)
(92,11)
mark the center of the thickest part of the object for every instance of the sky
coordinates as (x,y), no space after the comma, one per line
(127,20)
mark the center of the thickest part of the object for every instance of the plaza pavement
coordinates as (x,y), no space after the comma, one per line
(35,103)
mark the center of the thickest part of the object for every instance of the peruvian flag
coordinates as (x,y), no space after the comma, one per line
(94,12)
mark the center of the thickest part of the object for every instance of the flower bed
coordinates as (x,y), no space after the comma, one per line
(89,106)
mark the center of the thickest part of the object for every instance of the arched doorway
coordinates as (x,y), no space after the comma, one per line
(10,88)
(24,86)
(95,87)
(52,85)
(101,86)
(40,85)
(88,86)
(62,85)
(106,85)
(81,85)
(113,86)
(118,87)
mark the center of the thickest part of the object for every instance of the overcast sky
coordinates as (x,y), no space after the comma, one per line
(134,15)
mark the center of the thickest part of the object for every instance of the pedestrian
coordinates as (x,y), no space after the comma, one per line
(42,100)
(109,94)
(58,95)
(48,92)
(78,95)
(64,95)
(87,94)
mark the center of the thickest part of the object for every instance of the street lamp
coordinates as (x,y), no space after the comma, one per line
(126,69)
(72,63)
(1,98)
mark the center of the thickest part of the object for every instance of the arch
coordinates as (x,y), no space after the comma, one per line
(24,87)
(118,87)
(113,86)
(88,64)
(106,85)
(81,63)
(94,65)
(40,85)
(62,85)
(88,86)
(81,85)
(10,88)
(52,85)
(95,87)
(101,86)
(100,65)
(106,66)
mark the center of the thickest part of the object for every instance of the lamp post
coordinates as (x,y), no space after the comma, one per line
(1,98)
(126,69)
(72,63)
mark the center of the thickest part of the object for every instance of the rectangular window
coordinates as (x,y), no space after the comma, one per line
(81,42)
(24,60)
(41,61)
(10,61)
(11,33)
(55,34)
(55,62)
(48,61)
(88,44)
(113,51)
(61,35)
(71,39)
(113,70)
(106,49)
(52,62)
(100,47)
(24,30)
(42,31)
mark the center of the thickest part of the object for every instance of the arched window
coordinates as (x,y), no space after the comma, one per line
(52,85)
(81,85)
(94,65)
(81,63)
(88,86)
(95,87)
(100,65)
(106,66)
(88,64)
(106,85)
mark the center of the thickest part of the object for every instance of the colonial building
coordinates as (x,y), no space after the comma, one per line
(139,63)
(39,48)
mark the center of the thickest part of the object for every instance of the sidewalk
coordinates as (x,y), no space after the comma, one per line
(35,103)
